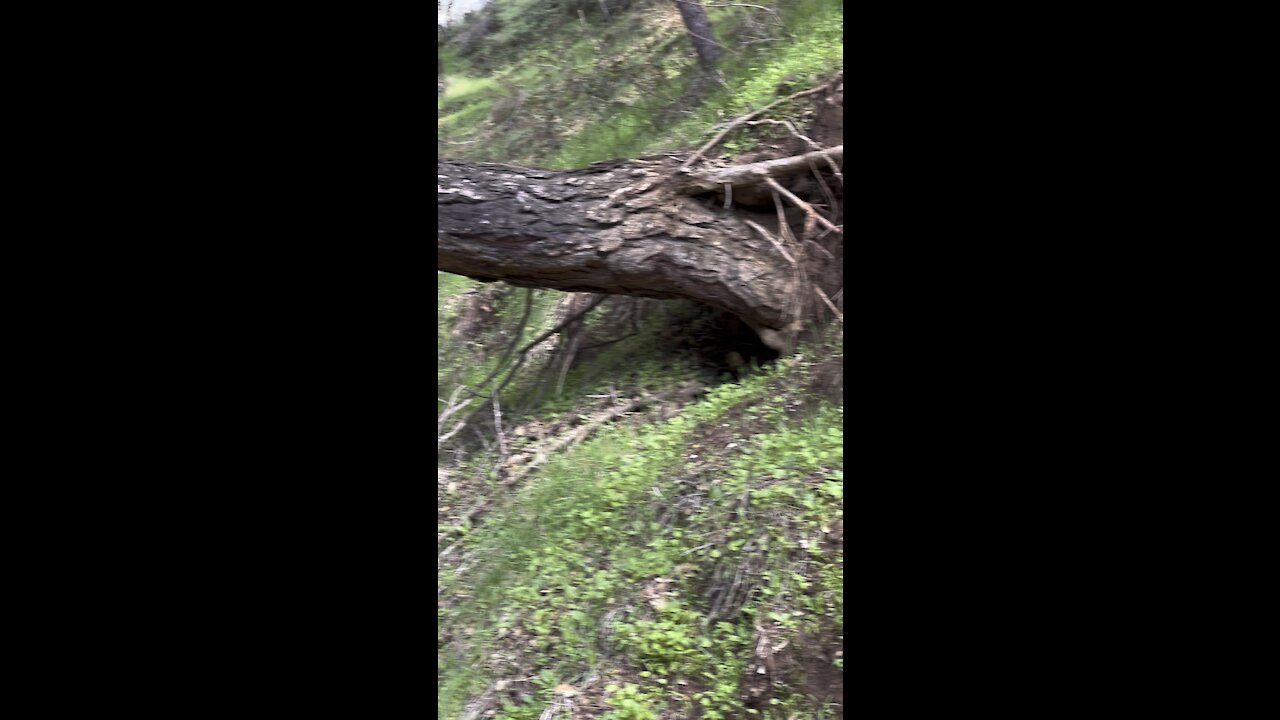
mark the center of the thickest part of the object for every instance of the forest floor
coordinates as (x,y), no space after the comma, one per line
(637,533)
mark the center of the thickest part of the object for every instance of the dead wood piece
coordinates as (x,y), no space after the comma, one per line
(835,169)
(739,121)
(802,205)
(830,304)
(769,236)
(756,173)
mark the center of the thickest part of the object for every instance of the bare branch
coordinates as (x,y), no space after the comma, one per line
(802,205)
(835,169)
(534,343)
(497,424)
(769,236)
(443,438)
(515,340)
(823,250)
(827,300)
(451,406)
(826,189)
(755,173)
(720,136)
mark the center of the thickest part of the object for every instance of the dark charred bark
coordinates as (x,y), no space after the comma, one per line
(699,28)
(614,228)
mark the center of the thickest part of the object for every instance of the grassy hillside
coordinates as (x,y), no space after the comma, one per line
(641,532)
(585,90)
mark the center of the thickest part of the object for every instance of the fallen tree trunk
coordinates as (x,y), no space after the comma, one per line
(626,228)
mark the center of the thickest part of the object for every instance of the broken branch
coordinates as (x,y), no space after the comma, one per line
(720,136)
(802,205)
(755,173)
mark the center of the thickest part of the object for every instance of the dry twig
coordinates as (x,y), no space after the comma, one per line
(754,173)
(835,169)
(532,344)
(739,121)
(769,236)
(497,424)
(451,406)
(802,205)
(830,304)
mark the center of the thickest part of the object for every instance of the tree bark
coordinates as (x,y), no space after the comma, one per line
(618,228)
(699,28)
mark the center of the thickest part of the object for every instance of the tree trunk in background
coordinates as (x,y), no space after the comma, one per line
(699,27)
(617,228)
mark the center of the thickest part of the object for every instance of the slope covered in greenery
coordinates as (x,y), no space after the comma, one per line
(553,88)
(640,531)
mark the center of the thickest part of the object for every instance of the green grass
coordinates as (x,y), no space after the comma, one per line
(460,87)
(629,112)
(467,117)
(752,80)
(595,526)
(817,51)
(469,361)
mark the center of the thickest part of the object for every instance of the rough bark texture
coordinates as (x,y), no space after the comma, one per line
(699,28)
(613,228)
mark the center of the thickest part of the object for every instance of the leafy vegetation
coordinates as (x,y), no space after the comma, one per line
(660,507)
(552,88)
